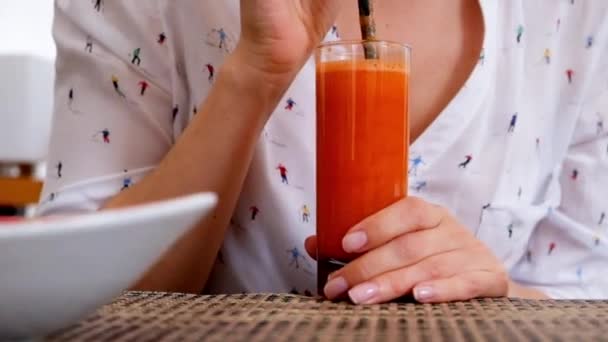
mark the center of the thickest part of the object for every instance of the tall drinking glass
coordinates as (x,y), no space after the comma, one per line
(362,140)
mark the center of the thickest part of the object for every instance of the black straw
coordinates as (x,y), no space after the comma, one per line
(368,28)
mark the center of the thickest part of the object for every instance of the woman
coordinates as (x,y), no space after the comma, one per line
(509,160)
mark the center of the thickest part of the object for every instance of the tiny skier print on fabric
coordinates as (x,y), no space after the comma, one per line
(569,75)
(220,39)
(335,32)
(116,85)
(466,162)
(596,240)
(162,37)
(143,86)
(174,113)
(89,45)
(102,136)
(126,182)
(283,172)
(290,104)
(71,97)
(254,212)
(415,163)
(305,213)
(589,43)
(520,192)
(50,198)
(419,186)
(513,123)
(59,168)
(519,33)
(210,71)
(484,208)
(98,5)
(136,57)
(547,56)
(574,174)
(298,261)
(579,274)
(552,246)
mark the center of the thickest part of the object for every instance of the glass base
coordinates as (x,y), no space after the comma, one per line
(327,266)
(324,268)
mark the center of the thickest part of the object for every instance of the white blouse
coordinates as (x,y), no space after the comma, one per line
(520,155)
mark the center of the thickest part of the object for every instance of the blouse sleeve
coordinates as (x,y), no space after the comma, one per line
(113,117)
(568,251)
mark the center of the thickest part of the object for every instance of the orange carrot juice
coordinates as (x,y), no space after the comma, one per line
(362,149)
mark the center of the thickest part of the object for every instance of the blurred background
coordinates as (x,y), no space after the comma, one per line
(27,56)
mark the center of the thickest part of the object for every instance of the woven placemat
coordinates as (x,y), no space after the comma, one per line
(143,316)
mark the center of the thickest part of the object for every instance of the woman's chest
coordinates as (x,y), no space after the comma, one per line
(446,39)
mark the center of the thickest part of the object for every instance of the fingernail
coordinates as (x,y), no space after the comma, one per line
(423,293)
(363,293)
(353,242)
(335,287)
(332,275)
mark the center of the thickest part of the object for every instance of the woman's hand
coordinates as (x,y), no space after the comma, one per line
(415,246)
(278,36)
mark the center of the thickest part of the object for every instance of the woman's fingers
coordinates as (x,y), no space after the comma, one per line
(311,246)
(410,243)
(406,216)
(397,283)
(463,286)
(404,251)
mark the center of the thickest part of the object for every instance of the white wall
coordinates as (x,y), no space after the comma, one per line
(25,27)
(27,52)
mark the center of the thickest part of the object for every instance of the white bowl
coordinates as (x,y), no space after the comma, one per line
(55,272)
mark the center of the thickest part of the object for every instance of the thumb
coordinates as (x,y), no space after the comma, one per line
(311,246)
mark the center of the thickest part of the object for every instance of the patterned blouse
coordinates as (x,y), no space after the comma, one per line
(520,155)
